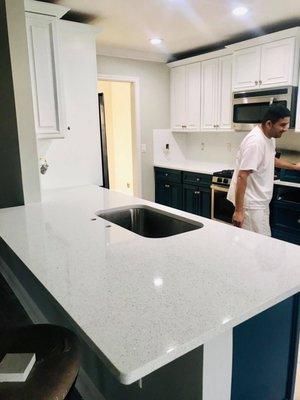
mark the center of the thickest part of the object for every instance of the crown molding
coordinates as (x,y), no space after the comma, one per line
(131,54)
(39,7)
(270,37)
(200,57)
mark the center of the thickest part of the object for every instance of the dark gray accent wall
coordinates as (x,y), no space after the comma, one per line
(11,189)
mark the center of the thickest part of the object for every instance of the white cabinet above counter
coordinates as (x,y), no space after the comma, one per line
(267,65)
(44,60)
(216,94)
(269,61)
(185,98)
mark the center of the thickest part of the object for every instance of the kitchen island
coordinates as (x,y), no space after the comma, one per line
(142,305)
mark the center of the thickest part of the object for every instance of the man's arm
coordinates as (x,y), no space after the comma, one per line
(280,163)
(241,184)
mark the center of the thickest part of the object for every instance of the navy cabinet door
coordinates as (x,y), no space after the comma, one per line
(168,194)
(206,203)
(192,199)
(197,200)
(265,354)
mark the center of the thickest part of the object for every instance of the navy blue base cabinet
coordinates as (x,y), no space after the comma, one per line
(186,191)
(265,354)
(285,214)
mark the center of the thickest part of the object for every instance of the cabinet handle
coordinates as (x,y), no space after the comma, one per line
(217,126)
(183,126)
(196,192)
(166,174)
(260,82)
(256,83)
(167,186)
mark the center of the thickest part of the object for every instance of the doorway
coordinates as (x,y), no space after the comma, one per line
(120,161)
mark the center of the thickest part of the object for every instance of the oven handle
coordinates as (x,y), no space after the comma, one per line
(219,188)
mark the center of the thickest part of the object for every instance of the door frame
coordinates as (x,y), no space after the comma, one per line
(136,130)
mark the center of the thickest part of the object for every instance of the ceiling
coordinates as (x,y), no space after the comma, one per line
(187,27)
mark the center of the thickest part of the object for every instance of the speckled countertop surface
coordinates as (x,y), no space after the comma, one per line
(201,167)
(210,168)
(145,302)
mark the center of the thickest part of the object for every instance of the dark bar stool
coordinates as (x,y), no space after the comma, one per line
(56,367)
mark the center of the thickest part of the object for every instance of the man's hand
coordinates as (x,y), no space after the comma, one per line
(238,218)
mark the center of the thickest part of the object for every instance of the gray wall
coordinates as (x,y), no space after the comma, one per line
(154,104)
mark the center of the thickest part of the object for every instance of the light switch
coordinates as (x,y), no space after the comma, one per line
(144,148)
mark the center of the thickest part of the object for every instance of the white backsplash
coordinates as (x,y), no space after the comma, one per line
(219,147)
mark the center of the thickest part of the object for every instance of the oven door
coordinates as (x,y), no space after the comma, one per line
(221,208)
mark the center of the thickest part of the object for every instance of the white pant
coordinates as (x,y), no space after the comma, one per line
(257,221)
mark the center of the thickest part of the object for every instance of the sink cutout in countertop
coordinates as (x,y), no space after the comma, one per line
(148,221)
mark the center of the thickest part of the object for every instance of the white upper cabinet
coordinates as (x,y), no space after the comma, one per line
(246,68)
(178,89)
(209,93)
(216,101)
(267,65)
(193,96)
(277,60)
(224,117)
(45,74)
(185,98)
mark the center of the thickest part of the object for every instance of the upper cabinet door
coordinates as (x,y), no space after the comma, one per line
(246,68)
(45,75)
(193,96)
(178,98)
(225,94)
(277,61)
(209,94)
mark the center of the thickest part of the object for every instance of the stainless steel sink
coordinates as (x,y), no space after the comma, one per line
(149,222)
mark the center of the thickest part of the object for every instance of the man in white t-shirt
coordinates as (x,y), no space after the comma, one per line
(251,188)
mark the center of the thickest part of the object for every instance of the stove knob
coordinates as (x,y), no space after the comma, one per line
(225,180)
(219,180)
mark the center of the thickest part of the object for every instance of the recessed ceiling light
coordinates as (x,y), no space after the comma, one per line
(155,41)
(240,11)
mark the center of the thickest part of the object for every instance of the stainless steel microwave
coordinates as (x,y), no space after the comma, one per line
(250,106)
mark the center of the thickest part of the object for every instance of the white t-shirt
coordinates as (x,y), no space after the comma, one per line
(256,153)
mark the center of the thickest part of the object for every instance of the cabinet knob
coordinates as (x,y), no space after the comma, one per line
(260,82)
(256,83)
(167,186)
(166,174)
(298,221)
(68,128)
(196,192)
(197,179)
(279,198)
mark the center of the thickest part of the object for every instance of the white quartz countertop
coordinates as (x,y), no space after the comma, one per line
(144,302)
(201,167)
(210,168)
(284,183)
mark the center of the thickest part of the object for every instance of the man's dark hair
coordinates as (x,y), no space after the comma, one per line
(274,113)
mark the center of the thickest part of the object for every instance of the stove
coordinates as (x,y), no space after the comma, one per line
(222,178)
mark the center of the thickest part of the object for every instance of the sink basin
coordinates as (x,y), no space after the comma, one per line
(148,221)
